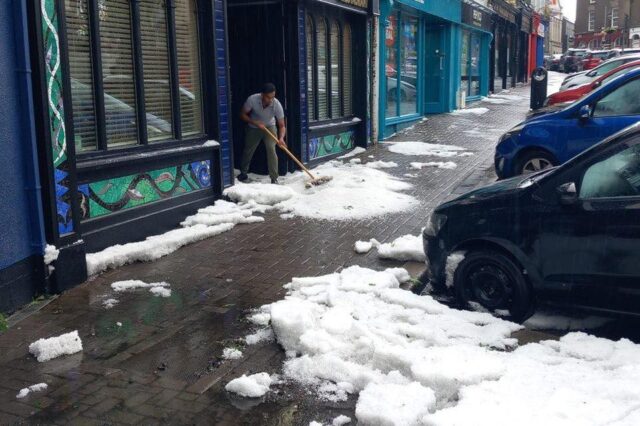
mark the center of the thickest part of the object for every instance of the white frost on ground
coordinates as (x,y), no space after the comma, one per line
(355,151)
(355,192)
(381,164)
(260,318)
(109,303)
(126,285)
(33,388)
(253,386)
(411,360)
(549,321)
(211,142)
(231,353)
(357,328)
(554,82)
(119,324)
(410,175)
(341,420)
(394,404)
(453,260)
(355,161)
(475,111)
(50,254)
(437,164)
(53,347)
(262,335)
(160,291)
(425,149)
(406,247)
(362,247)
(208,222)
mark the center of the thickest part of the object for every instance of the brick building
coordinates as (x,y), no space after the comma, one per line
(605,24)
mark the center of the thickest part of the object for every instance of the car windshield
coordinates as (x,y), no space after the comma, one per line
(605,68)
(601,55)
(618,74)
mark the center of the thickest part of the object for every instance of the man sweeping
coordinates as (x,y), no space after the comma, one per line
(261,112)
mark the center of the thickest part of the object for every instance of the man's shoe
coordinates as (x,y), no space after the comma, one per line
(274,181)
(242,177)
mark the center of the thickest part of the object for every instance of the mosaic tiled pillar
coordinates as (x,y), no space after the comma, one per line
(302,70)
(53,76)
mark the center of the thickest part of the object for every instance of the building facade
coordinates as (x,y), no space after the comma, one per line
(605,24)
(419,44)
(553,43)
(133,118)
(568,34)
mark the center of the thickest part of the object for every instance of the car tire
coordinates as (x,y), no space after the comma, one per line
(494,281)
(534,161)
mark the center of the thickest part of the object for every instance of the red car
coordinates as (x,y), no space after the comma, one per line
(594,58)
(576,93)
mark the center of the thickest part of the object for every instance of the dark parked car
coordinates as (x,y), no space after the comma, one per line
(572,60)
(568,236)
(553,135)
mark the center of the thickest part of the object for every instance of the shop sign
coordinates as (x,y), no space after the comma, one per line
(541,30)
(475,17)
(358,3)
(504,10)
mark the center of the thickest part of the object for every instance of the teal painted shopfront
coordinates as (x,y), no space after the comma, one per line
(475,41)
(420,56)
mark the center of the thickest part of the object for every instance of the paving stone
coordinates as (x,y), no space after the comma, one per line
(161,366)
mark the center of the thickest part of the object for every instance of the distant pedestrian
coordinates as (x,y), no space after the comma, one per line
(262,111)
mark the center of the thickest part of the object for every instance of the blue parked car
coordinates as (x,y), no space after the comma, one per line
(554,135)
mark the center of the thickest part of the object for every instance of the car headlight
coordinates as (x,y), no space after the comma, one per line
(434,224)
(512,132)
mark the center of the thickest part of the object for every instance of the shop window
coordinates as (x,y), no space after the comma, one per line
(311,104)
(329,68)
(347,73)
(401,65)
(187,44)
(470,64)
(322,56)
(82,95)
(135,76)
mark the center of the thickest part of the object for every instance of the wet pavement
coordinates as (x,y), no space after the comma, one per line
(163,365)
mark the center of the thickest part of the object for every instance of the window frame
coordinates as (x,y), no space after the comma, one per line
(329,19)
(591,20)
(143,144)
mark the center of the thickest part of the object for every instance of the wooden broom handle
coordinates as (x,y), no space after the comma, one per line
(289,153)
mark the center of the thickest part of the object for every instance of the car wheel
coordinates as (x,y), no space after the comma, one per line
(534,161)
(494,281)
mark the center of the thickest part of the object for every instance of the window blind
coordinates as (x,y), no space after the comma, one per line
(155,65)
(323,74)
(347,90)
(187,42)
(82,96)
(311,108)
(117,71)
(335,71)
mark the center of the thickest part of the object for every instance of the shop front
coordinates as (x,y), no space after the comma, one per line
(475,39)
(126,95)
(504,47)
(318,54)
(419,51)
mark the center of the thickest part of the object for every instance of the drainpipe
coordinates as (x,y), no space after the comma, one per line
(31,177)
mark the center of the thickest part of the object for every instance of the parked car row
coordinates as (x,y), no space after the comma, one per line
(579,60)
(563,227)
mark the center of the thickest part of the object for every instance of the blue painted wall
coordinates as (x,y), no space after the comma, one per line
(21,233)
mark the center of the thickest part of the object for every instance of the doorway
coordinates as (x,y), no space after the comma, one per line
(435,68)
(256,56)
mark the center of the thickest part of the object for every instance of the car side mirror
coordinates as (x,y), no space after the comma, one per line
(585,112)
(567,194)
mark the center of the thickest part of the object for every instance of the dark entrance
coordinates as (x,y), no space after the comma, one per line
(256,55)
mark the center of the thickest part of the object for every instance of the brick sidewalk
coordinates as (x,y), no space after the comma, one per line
(161,365)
